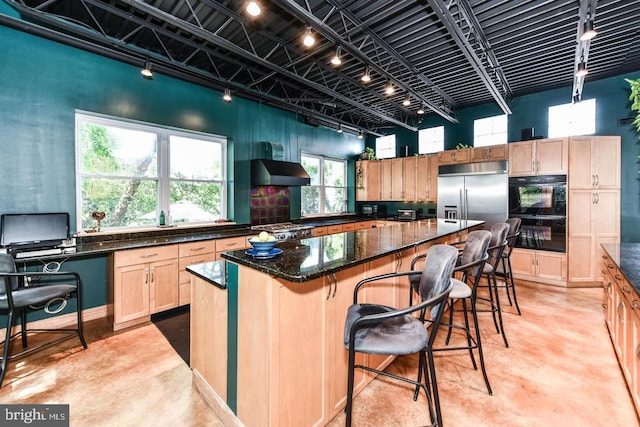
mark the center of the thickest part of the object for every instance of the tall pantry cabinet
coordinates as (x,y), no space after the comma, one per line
(593,215)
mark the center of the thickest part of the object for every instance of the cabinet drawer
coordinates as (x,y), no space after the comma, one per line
(231,244)
(349,227)
(197,248)
(144,255)
(191,260)
(319,231)
(331,229)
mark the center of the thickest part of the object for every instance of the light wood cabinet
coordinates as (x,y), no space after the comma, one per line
(456,156)
(427,178)
(335,228)
(190,254)
(593,205)
(539,157)
(145,281)
(386,179)
(539,266)
(231,244)
(396,181)
(368,180)
(363,225)
(490,154)
(320,231)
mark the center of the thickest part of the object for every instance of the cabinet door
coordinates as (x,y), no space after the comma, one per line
(523,262)
(409,178)
(480,154)
(606,161)
(163,285)
(447,157)
(423,177)
(490,154)
(581,236)
(131,293)
(386,180)
(521,158)
(432,194)
(580,174)
(373,180)
(607,302)
(552,156)
(340,293)
(397,178)
(551,265)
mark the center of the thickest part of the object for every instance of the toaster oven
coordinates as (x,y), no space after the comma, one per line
(407,215)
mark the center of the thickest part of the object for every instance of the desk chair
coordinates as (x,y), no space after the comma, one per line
(378,329)
(18,297)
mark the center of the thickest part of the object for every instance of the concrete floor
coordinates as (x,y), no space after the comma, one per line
(560,369)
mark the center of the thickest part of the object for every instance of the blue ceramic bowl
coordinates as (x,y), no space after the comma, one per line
(262,247)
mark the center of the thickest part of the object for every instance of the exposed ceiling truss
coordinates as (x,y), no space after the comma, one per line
(439,55)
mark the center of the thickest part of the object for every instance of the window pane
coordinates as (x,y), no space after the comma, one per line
(490,131)
(112,151)
(572,119)
(431,140)
(334,199)
(195,201)
(386,147)
(334,173)
(125,201)
(312,166)
(310,200)
(195,158)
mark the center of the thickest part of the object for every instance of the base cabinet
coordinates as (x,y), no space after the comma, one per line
(539,266)
(145,281)
(191,254)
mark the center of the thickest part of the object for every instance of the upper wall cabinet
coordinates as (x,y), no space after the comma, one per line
(595,162)
(456,156)
(368,176)
(490,154)
(539,157)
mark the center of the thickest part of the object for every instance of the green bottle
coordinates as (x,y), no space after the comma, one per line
(161,217)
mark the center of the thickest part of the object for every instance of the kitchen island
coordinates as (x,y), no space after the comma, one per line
(267,347)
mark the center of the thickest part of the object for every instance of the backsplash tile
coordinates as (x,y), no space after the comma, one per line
(270,204)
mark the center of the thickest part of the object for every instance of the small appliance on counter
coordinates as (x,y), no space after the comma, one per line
(373,211)
(407,214)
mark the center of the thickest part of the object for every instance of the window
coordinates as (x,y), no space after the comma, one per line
(386,147)
(327,193)
(573,119)
(431,140)
(490,131)
(132,171)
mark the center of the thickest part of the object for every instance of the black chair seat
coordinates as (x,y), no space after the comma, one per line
(397,335)
(33,295)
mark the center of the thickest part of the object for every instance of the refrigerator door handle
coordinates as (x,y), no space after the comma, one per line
(466,204)
(461,206)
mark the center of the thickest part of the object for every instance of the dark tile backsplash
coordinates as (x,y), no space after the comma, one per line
(270,204)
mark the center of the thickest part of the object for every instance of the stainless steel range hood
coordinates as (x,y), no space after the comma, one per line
(277,172)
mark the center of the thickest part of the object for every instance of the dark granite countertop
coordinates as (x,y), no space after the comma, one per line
(307,259)
(627,258)
(213,272)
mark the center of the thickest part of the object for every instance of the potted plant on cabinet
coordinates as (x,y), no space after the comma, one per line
(368,154)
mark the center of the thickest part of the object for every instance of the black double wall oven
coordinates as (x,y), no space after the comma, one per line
(541,202)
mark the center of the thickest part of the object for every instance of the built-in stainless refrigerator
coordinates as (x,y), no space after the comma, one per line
(477,191)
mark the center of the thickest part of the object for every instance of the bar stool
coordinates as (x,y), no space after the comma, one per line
(504,268)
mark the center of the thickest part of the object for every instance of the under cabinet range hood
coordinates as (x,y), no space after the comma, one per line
(277,172)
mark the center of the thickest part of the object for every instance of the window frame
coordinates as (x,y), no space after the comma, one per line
(432,141)
(163,178)
(322,187)
(504,134)
(572,114)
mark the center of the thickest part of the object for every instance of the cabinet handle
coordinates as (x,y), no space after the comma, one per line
(153,275)
(617,276)
(597,179)
(329,280)
(604,306)
(638,351)
(197,249)
(610,266)
(146,276)
(597,198)
(593,198)
(149,255)
(635,304)
(335,285)
(593,180)
(626,289)
(620,318)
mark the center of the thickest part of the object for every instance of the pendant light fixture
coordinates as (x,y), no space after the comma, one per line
(588,31)
(360,135)
(227,95)
(582,68)
(308,39)
(366,77)
(389,89)
(339,128)
(420,110)
(146,71)
(406,102)
(336,58)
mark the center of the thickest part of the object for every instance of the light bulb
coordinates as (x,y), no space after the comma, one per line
(389,90)
(227,95)
(420,110)
(308,40)
(253,8)
(366,77)
(336,58)
(406,102)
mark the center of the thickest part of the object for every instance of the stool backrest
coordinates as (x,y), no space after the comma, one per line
(475,248)
(437,270)
(498,242)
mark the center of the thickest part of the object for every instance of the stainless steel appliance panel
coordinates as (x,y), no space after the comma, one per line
(477,196)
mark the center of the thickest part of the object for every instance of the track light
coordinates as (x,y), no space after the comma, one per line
(588,32)
(420,110)
(253,8)
(227,95)
(582,69)
(360,135)
(406,102)
(389,89)
(146,70)
(336,58)
(339,128)
(366,77)
(308,40)
(576,97)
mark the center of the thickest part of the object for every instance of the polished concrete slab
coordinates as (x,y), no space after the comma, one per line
(560,369)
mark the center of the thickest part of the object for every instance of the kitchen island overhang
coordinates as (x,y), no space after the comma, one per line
(270,345)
